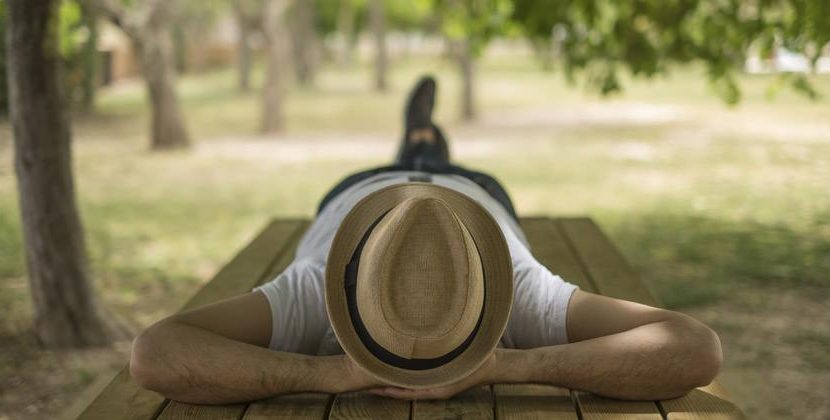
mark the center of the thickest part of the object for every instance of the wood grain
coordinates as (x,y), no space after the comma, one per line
(530,401)
(473,404)
(181,411)
(594,407)
(305,406)
(549,246)
(366,406)
(603,263)
(706,403)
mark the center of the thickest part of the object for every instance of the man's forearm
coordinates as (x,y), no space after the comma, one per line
(194,365)
(654,361)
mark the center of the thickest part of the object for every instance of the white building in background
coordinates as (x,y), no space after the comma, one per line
(786,61)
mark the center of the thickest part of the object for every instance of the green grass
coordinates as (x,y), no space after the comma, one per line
(707,202)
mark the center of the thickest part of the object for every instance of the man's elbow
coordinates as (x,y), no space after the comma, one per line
(147,366)
(704,356)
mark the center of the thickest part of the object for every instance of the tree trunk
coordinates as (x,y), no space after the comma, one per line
(345,30)
(466,65)
(243,56)
(304,41)
(66,312)
(378,24)
(276,56)
(157,63)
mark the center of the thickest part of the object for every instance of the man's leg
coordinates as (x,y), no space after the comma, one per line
(424,148)
(423,145)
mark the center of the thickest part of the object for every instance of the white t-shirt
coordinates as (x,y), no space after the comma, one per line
(296,296)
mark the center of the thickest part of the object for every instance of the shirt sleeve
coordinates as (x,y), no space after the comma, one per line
(298,313)
(540,306)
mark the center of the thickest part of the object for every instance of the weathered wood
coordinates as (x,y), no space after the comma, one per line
(175,411)
(549,246)
(710,402)
(273,254)
(603,263)
(530,401)
(613,277)
(595,407)
(476,403)
(273,247)
(305,406)
(364,405)
(123,398)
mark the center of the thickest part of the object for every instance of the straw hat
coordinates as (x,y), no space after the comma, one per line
(419,285)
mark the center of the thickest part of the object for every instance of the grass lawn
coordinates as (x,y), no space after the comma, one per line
(724,211)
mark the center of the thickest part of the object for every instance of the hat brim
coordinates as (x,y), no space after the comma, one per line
(498,287)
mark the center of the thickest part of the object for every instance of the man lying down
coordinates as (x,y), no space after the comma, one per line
(415,281)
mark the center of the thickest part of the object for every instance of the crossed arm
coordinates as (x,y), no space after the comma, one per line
(216,354)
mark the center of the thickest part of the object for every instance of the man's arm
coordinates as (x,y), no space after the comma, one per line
(215,355)
(617,349)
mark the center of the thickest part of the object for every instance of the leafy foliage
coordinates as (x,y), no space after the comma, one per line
(645,37)
(475,21)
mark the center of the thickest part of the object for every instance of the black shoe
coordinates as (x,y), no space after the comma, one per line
(423,142)
(420,104)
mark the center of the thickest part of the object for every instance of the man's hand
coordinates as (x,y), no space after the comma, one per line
(357,378)
(486,374)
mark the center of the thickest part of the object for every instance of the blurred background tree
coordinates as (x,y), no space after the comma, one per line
(305,42)
(468,26)
(149,25)
(66,310)
(248,16)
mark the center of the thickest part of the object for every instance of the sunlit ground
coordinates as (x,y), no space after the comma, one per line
(724,212)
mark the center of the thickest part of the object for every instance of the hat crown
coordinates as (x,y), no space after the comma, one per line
(420,282)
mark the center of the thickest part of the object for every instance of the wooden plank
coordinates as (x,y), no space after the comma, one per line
(603,263)
(123,398)
(530,401)
(241,275)
(310,406)
(364,405)
(595,407)
(268,256)
(476,403)
(613,277)
(550,248)
(705,403)
(181,411)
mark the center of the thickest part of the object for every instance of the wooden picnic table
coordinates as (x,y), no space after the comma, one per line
(574,248)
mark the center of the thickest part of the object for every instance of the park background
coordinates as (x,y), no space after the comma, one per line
(708,168)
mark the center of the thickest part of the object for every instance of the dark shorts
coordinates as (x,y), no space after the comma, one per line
(487,182)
